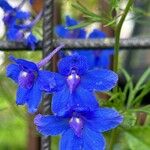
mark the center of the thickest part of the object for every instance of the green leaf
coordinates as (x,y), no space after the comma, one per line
(110,23)
(145,90)
(84,10)
(81,25)
(92,17)
(145,109)
(114,4)
(128,87)
(141,81)
(138,138)
(114,96)
(129,120)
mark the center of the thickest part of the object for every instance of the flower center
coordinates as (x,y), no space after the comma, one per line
(76,124)
(26,79)
(73,80)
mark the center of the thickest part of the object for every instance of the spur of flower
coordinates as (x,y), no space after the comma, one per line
(96,58)
(79,84)
(80,128)
(31,80)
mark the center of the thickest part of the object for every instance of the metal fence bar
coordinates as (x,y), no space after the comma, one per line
(131,43)
(47,46)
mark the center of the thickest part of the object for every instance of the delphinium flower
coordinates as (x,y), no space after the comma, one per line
(79,84)
(28,38)
(81,129)
(96,58)
(16,29)
(31,80)
(62,31)
(13,14)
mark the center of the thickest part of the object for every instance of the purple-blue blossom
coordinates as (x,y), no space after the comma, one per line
(16,29)
(79,129)
(12,15)
(31,80)
(62,31)
(96,58)
(78,84)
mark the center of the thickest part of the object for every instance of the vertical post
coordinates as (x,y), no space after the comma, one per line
(47,46)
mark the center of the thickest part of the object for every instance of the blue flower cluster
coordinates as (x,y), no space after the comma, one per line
(76,112)
(16,29)
(96,58)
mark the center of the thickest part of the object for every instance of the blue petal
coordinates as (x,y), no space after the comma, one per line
(34,99)
(101,60)
(70,21)
(104,119)
(105,59)
(22,15)
(61,31)
(50,125)
(93,140)
(22,96)
(97,34)
(99,80)
(89,56)
(82,98)
(61,101)
(25,64)
(50,82)
(5,5)
(12,71)
(77,62)
(31,41)
(70,142)
(13,34)
(80,33)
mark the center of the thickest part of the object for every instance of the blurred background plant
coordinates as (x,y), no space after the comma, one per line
(14,126)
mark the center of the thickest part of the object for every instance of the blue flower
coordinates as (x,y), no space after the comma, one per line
(31,81)
(22,34)
(12,15)
(16,31)
(96,58)
(5,5)
(63,32)
(79,84)
(80,129)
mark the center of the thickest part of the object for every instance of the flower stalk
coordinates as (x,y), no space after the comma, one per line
(117,35)
(116,57)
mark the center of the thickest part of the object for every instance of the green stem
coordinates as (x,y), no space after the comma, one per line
(117,35)
(116,56)
(112,139)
